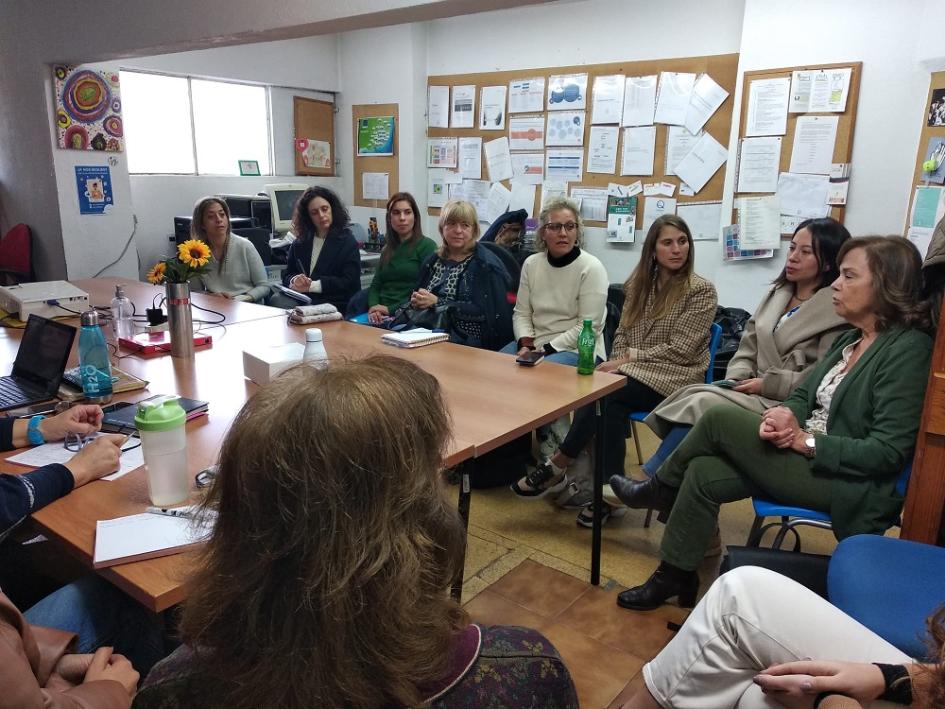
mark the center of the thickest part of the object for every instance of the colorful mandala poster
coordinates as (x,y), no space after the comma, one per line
(88,109)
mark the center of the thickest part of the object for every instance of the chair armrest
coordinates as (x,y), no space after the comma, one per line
(809,570)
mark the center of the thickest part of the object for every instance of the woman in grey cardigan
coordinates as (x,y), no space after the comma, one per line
(237,270)
(792,328)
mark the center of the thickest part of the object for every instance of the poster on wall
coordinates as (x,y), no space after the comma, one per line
(94,185)
(314,153)
(375,136)
(88,109)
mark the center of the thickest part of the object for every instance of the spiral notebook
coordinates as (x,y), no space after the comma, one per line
(418,337)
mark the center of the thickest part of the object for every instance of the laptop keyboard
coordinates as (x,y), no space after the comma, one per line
(12,393)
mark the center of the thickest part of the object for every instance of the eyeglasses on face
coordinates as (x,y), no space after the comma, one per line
(557,227)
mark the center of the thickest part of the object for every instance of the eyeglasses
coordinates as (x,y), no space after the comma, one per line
(557,227)
(74,442)
(206,476)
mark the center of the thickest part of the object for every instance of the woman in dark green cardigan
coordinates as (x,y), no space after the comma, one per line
(406,249)
(837,444)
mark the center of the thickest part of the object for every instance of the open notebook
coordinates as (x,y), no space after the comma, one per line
(145,536)
(418,337)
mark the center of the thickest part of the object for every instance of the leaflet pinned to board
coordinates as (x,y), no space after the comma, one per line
(639,101)
(702,162)
(441,152)
(564,165)
(621,219)
(526,133)
(654,207)
(703,218)
(527,95)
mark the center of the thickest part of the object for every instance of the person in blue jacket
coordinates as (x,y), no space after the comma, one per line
(466,283)
(323,262)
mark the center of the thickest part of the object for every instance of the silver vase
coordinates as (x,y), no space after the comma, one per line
(179,320)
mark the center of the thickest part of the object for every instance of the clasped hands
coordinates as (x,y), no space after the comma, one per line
(422,299)
(300,283)
(779,427)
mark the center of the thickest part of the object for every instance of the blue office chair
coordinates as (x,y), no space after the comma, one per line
(790,518)
(715,337)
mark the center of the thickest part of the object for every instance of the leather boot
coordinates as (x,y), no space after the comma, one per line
(667,581)
(649,494)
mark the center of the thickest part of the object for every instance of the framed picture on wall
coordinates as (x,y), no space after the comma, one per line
(937,108)
(249,167)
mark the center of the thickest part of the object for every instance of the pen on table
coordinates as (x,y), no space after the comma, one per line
(172,511)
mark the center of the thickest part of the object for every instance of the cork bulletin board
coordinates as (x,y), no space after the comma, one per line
(314,120)
(375,163)
(936,87)
(722,68)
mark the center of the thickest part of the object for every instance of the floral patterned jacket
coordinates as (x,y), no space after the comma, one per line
(497,666)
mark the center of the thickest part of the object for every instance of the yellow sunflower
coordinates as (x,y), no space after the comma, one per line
(194,253)
(156,274)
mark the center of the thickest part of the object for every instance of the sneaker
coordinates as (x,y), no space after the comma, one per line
(573,497)
(586,516)
(540,482)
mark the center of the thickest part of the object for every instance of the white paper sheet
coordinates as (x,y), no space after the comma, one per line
(593,203)
(523,196)
(639,100)
(829,89)
(48,453)
(758,164)
(565,128)
(759,222)
(527,95)
(437,188)
(679,141)
(602,149)
(667,188)
(498,159)
(463,107)
(800,91)
(374,185)
(705,99)
(452,177)
(498,203)
(476,192)
(654,207)
(567,92)
(767,107)
(551,189)
(438,107)
(528,168)
(814,139)
(441,152)
(492,108)
(685,190)
(564,165)
(803,195)
(470,158)
(672,100)
(526,132)
(921,237)
(616,190)
(608,99)
(635,188)
(703,161)
(653,189)
(639,148)
(704,219)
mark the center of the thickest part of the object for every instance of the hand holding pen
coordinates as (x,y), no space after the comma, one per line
(300,282)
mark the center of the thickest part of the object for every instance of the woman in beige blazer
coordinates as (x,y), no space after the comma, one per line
(792,328)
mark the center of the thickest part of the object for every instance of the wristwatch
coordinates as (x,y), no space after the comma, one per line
(811,444)
(33,434)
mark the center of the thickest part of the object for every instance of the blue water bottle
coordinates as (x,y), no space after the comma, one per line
(95,371)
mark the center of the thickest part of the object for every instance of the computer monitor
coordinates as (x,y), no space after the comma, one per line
(283,199)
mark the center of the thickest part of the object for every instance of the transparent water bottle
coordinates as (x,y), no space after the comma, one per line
(587,342)
(315,353)
(95,370)
(160,422)
(528,236)
(122,309)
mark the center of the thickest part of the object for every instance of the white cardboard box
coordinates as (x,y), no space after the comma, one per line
(263,364)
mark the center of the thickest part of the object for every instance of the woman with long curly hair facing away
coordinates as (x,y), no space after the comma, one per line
(324,583)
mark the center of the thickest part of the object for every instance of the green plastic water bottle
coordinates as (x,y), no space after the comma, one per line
(587,342)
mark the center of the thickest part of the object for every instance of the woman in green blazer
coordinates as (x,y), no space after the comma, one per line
(837,444)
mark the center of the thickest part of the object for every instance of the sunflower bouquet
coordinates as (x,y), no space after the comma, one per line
(192,259)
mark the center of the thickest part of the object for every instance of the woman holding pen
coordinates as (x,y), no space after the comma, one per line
(323,262)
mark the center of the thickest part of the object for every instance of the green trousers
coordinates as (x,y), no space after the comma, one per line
(722,459)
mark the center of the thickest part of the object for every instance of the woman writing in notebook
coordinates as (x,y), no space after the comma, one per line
(237,271)
(464,285)
(323,262)
(324,583)
(792,328)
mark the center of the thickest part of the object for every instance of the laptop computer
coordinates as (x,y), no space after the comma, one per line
(39,364)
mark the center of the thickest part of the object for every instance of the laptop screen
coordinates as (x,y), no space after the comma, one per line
(44,352)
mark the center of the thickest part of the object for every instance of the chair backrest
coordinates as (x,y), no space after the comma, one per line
(16,252)
(715,337)
(508,260)
(259,237)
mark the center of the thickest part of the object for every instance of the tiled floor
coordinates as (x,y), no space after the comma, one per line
(604,646)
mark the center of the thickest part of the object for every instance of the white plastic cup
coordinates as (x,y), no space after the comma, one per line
(160,424)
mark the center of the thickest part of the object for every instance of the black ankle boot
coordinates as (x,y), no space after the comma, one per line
(667,581)
(649,494)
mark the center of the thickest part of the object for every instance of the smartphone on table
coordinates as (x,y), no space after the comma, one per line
(530,358)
